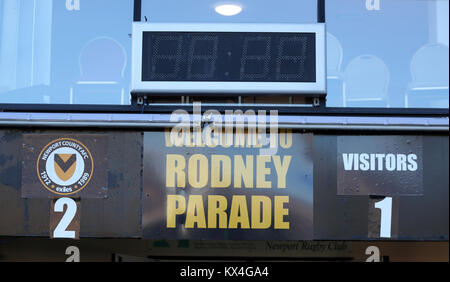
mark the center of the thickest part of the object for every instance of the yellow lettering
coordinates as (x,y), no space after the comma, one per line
(239,213)
(262,171)
(239,138)
(281,169)
(197,137)
(243,171)
(217,206)
(168,140)
(220,165)
(286,138)
(265,221)
(176,205)
(175,165)
(280,212)
(198,171)
(187,138)
(227,136)
(195,213)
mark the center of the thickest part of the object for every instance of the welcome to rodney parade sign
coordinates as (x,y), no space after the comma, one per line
(224,177)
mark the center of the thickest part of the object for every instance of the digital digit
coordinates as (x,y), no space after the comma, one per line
(202,57)
(386,216)
(166,57)
(255,57)
(60,230)
(291,58)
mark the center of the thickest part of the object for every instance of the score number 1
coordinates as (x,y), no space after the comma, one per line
(380,223)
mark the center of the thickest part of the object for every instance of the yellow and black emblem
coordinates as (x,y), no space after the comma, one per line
(65,166)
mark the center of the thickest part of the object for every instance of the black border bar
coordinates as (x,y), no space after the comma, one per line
(321,11)
(137,10)
(281,108)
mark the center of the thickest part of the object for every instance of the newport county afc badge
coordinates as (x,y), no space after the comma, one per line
(65,166)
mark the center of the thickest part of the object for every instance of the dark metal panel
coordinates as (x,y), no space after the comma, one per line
(18,216)
(116,216)
(351,217)
(120,214)
(425,217)
(13,210)
(37,217)
(336,217)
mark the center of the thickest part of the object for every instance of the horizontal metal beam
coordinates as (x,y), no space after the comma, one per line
(311,127)
(152,121)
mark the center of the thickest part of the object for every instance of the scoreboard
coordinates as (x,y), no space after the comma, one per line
(171,185)
(229,59)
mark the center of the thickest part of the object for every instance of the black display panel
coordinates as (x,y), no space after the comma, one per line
(229,56)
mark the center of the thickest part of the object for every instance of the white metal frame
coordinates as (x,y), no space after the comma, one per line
(317,88)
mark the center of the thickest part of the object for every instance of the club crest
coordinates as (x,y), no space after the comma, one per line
(65,166)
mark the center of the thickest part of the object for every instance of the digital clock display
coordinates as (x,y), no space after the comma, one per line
(228,59)
(229,56)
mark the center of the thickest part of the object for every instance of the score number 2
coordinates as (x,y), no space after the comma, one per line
(61,229)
